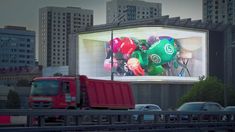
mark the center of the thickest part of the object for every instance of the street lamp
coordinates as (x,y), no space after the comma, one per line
(112,70)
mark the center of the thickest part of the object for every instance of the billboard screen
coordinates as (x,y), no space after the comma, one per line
(144,54)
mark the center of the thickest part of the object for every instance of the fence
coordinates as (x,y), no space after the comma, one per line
(115,120)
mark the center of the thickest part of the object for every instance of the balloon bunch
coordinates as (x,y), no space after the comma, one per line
(140,57)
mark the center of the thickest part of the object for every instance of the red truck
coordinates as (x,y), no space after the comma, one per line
(80,92)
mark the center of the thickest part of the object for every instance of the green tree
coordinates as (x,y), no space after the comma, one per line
(209,89)
(13,100)
(23,83)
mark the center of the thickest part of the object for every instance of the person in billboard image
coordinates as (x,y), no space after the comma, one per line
(153,56)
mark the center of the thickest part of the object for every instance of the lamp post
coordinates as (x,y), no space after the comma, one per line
(112,70)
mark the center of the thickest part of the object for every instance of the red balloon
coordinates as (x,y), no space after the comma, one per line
(127,46)
(116,44)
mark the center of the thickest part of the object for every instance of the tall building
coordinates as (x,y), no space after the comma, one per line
(55,25)
(127,10)
(223,12)
(17,47)
(219,11)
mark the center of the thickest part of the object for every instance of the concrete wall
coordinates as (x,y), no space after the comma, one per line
(164,95)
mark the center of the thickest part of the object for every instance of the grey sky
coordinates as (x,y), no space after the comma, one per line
(25,12)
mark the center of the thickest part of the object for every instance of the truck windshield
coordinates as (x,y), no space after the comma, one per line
(45,87)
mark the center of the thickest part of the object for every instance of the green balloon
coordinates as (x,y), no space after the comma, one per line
(162,52)
(143,42)
(172,41)
(155,70)
(142,57)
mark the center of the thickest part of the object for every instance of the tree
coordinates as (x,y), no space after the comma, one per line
(209,89)
(23,83)
(13,100)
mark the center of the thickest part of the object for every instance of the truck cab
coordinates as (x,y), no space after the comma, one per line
(54,92)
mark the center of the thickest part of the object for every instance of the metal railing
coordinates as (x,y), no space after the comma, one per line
(116,120)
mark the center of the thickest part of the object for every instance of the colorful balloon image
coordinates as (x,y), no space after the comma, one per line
(116,44)
(161,52)
(144,44)
(155,70)
(134,65)
(136,41)
(126,56)
(138,57)
(142,57)
(127,46)
(152,39)
(108,65)
(172,41)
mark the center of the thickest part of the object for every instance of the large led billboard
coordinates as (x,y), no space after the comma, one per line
(144,54)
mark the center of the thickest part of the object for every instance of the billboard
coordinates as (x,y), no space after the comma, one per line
(144,54)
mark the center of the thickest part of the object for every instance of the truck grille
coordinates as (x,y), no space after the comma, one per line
(41,105)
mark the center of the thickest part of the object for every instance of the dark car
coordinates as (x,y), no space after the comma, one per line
(146,107)
(200,106)
(197,107)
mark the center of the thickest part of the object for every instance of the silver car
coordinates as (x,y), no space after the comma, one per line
(146,107)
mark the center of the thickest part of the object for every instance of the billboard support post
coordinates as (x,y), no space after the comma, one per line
(111,54)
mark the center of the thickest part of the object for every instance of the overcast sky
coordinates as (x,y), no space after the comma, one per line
(25,12)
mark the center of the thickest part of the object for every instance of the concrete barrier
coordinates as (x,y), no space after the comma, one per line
(18,120)
(5,120)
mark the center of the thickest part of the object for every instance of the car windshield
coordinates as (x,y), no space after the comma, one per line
(44,87)
(191,107)
(139,107)
(229,109)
